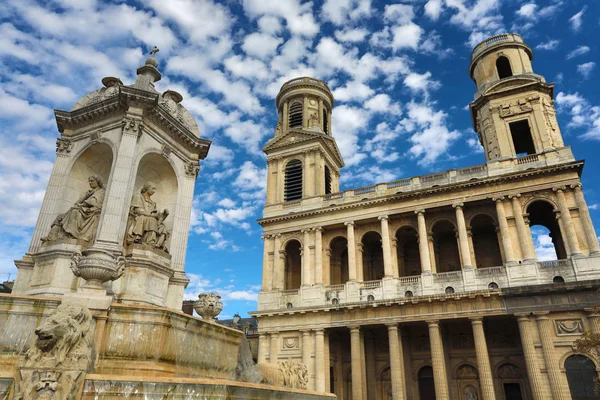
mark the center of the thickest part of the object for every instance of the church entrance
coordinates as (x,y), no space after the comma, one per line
(426,386)
(581,375)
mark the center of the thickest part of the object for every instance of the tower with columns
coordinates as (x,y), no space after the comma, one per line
(430,286)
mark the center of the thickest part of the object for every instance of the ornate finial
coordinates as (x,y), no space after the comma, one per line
(154,51)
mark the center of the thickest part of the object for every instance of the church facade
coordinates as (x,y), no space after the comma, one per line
(429,287)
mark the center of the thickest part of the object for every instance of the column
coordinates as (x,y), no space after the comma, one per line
(277,263)
(280,181)
(533,370)
(463,239)
(327,364)
(339,369)
(263,347)
(586,220)
(351,250)
(387,248)
(356,360)
(440,378)
(286,117)
(423,242)
(274,352)
(271,181)
(309,175)
(486,380)
(395,260)
(359,263)
(558,384)
(565,216)
(306,352)
(396,363)
(318,255)
(320,360)
(306,260)
(594,319)
(431,247)
(504,231)
(267,266)
(562,238)
(522,229)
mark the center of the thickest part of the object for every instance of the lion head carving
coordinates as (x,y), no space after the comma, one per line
(62,338)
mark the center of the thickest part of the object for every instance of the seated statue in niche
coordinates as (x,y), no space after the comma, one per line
(146,224)
(81,221)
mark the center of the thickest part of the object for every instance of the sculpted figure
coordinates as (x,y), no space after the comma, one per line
(81,221)
(146,223)
(55,366)
(285,374)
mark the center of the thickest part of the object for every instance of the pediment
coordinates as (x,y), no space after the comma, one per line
(510,84)
(296,137)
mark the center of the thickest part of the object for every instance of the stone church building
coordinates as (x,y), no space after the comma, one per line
(429,287)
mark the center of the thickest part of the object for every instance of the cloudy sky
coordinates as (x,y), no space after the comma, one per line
(398,71)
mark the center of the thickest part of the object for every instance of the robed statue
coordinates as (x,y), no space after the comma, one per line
(81,220)
(146,224)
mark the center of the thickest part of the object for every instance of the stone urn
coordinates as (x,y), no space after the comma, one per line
(97,267)
(208,305)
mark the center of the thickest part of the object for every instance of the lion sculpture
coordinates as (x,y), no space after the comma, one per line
(284,374)
(55,366)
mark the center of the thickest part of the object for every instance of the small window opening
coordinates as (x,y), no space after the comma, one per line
(408,294)
(503,67)
(449,290)
(293,181)
(335,302)
(327,180)
(493,286)
(290,306)
(370,298)
(325,122)
(295,119)
(521,137)
(558,279)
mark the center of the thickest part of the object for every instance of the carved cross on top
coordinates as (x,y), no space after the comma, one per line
(154,51)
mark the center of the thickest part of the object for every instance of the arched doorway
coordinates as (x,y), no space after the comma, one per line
(338,262)
(445,247)
(385,378)
(581,375)
(409,259)
(372,254)
(485,242)
(426,385)
(511,380)
(293,266)
(548,237)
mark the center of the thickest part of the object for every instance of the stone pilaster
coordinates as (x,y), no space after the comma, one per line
(267,266)
(356,361)
(320,360)
(440,377)
(327,360)
(387,248)
(274,351)
(280,179)
(527,249)
(309,175)
(278,263)
(463,239)
(565,216)
(558,383)
(423,242)
(486,380)
(396,363)
(263,347)
(586,220)
(318,255)
(352,272)
(306,259)
(533,369)
(509,254)
(594,319)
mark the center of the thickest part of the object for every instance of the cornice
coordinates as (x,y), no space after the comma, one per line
(422,192)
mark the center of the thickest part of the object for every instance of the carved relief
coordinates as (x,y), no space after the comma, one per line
(467,372)
(284,374)
(133,127)
(462,342)
(291,342)
(569,327)
(507,371)
(63,146)
(145,224)
(192,169)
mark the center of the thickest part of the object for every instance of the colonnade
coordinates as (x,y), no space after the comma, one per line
(313,272)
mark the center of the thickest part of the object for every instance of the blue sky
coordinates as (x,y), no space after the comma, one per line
(399,72)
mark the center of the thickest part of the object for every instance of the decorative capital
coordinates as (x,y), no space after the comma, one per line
(498,199)
(349,223)
(576,186)
(514,196)
(306,230)
(318,229)
(133,127)
(192,169)
(166,150)
(420,211)
(64,146)
(559,189)
(458,205)
(383,217)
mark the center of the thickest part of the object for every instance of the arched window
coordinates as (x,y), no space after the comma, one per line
(293,181)
(581,375)
(503,67)
(409,259)
(338,273)
(372,257)
(546,232)
(325,121)
(327,180)
(295,119)
(445,247)
(485,242)
(293,266)
(426,386)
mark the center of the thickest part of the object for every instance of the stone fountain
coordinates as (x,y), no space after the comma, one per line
(95,310)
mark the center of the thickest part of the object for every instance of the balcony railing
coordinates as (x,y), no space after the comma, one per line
(370,285)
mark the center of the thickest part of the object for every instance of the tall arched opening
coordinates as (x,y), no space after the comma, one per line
(293,265)
(582,376)
(485,242)
(542,220)
(338,264)
(372,254)
(503,67)
(445,247)
(426,385)
(409,259)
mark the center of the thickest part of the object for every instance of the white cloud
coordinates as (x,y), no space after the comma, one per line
(586,69)
(382,103)
(249,68)
(583,115)
(549,45)
(351,35)
(270,24)
(406,36)
(421,82)
(480,17)
(248,134)
(299,17)
(400,14)
(527,10)
(261,45)
(577,20)
(353,91)
(433,9)
(579,51)
(341,11)
(227,203)
(347,121)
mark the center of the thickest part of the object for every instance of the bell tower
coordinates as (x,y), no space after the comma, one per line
(303,157)
(513,111)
